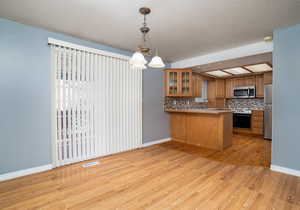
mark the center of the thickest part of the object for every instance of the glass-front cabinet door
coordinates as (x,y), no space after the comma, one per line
(172,83)
(178,82)
(186,83)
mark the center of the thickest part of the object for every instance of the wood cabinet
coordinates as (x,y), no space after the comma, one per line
(220,88)
(259,84)
(178,127)
(249,81)
(257,122)
(172,82)
(197,85)
(186,85)
(257,81)
(216,94)
(229,88)
(243,81)
(268,78)
(208,130)
(182,83)
(238,82)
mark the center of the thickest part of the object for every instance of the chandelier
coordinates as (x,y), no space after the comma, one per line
(138,60)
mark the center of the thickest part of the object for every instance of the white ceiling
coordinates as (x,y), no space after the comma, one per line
(180,29)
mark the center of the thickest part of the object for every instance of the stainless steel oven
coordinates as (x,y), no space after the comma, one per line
(244,92)
(241,120)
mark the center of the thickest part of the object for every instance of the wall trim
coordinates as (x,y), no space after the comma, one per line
(238,52)
(285,170)
(25,172)
(156,142)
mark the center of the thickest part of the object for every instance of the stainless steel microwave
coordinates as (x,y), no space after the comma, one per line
(244,92)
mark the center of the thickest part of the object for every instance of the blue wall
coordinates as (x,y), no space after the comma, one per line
(286,98)
(25,96)
(155,120)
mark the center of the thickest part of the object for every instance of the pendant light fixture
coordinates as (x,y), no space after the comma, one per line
(138,60)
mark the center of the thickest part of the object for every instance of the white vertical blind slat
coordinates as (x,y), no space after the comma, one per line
(78,105)
(73,104)
(58,105)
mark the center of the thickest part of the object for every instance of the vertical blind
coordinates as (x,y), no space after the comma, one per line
(97,103)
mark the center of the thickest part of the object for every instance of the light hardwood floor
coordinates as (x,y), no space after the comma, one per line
(165,176)
(245,150)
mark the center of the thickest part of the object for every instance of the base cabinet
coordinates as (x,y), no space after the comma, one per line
(257,122)
(213,131)
(178,127)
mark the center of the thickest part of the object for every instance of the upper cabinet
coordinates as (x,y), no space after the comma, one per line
(243,81)
(268,78)
(172,83)
(258,81)
(259,84)
(197,85)
(220,88)
(182,83)
(185,83)
(229,84)
(185,78)
(216,93)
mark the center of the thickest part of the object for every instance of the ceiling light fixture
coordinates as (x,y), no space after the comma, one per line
(237,70)
(268,39)
(259,67)
(138,60)
(218,73)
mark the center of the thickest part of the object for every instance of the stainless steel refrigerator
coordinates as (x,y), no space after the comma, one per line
(268,112)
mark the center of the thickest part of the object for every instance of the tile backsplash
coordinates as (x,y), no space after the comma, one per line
(190,103)
(245,104)
(183,103)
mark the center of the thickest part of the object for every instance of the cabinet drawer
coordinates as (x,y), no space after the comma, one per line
(258,112)
(257,123)
(257,119)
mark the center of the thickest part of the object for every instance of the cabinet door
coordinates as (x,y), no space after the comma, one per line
(220,88)
(259,86)
(197,85)
(268,78)
(257,124)
(229,88)
(178,127)
(239,82)
(172,83)
(249,81)
(186,83)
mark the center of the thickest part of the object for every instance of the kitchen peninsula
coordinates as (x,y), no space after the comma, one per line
(208,128)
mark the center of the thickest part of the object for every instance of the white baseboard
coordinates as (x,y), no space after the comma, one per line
(156,142)
(25,172)
(285,170)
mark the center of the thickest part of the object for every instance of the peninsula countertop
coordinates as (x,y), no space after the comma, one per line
(201,111)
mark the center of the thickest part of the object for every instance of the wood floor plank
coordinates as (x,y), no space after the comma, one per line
(166,176)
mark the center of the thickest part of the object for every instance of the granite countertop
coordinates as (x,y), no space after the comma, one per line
(204,111)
